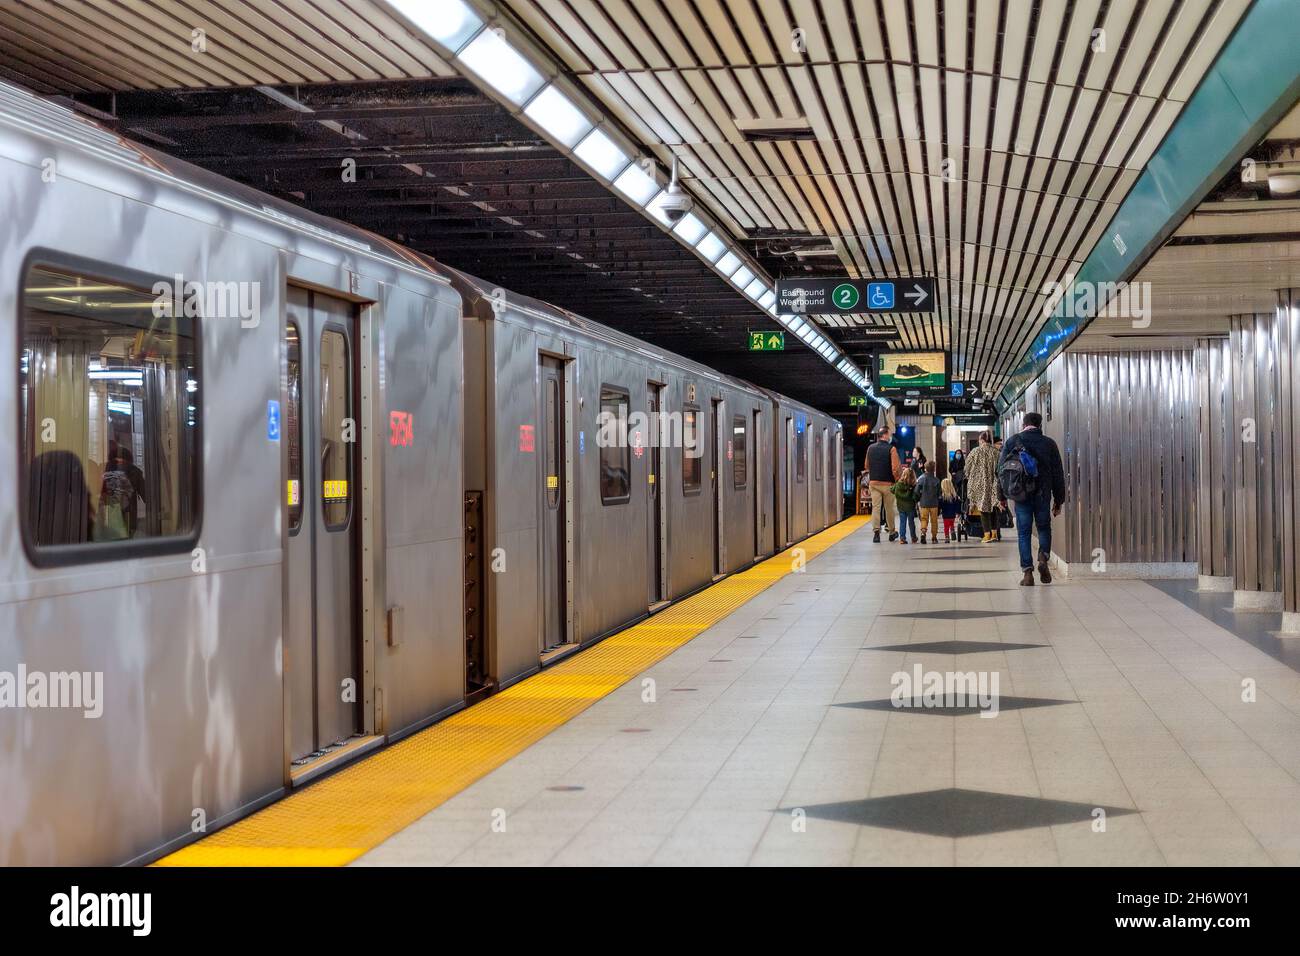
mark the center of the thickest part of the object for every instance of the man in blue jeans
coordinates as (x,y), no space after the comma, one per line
(1046,500)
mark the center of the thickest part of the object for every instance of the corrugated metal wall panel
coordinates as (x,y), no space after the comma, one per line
(1127,425)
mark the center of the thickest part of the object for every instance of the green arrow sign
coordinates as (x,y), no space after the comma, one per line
(767,341)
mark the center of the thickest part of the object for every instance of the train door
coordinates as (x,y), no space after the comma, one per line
(826,473)
(756,442)
(657,528)
(720,433)
(323,647)
(790,471)
(554,481)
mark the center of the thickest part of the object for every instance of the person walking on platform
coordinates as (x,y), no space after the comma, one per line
(982,483)
(957,468)
(927,493)
(904,491)
(949,507)
(883,469)
(1030,473)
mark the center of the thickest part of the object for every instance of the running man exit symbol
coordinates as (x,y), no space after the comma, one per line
(767,341)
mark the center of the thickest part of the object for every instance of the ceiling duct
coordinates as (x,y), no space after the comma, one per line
(775,130)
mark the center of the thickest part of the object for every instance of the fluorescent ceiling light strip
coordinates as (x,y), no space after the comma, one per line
(710,247)
(502,67)
(690,229)
(450,22)
(558,117)
(486,53)
(637,185)
(728,264)
(602,154)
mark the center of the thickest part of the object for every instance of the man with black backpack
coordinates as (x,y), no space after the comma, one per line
(1031,475)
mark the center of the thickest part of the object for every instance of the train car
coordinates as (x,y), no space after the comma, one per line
(232,472)
(616,477)
(287,491)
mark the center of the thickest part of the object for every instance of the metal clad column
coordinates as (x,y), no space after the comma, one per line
(1256,386)
(1289,465)
(1216,453)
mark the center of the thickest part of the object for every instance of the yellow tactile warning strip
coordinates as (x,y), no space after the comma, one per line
(334,821)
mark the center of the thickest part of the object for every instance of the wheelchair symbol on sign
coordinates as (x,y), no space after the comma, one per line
(880,295)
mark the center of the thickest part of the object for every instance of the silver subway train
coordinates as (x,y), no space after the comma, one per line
(284,491)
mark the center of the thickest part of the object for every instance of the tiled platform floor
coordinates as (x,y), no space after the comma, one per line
(751,750)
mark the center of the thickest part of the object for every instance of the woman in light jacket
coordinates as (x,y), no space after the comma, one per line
(982,483)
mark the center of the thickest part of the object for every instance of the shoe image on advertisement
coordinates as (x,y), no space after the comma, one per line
(909,370)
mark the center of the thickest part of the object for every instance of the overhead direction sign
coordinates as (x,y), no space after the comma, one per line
(855,296)
(767,341)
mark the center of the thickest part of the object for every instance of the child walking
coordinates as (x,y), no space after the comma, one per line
(927,494)
(905,497)
(949,507)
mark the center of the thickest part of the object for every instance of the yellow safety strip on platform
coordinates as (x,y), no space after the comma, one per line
(337,819)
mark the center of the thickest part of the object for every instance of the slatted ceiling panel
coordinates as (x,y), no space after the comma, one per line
(387,46)
(1223,20)
(172,62)
(77,47)
(33,68)
(71,46)
(1010,89)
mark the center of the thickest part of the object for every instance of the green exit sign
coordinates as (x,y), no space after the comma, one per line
(767,341)
(858,401)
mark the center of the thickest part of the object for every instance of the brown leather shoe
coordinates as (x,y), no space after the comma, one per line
(1028,580)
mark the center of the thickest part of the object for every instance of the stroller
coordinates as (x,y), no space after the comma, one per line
(967,524)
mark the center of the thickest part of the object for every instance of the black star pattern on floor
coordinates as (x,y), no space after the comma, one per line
(955,710)
(955,614)
(954,647)
(958,813)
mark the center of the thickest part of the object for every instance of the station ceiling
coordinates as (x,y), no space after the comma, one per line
(985,142)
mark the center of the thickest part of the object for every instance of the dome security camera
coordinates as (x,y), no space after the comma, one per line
(677,202)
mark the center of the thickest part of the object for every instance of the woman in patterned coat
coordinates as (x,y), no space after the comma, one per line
(982,483)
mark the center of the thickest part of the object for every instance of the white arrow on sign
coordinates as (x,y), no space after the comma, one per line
(917,295)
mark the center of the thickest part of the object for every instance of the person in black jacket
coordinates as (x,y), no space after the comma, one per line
(1046,500)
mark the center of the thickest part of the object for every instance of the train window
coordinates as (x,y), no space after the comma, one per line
(293,424)
(336,426)
(615,449)
(692,450)
(109,405)
(740,450)
(817,455)
(552,451)
(800,449)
